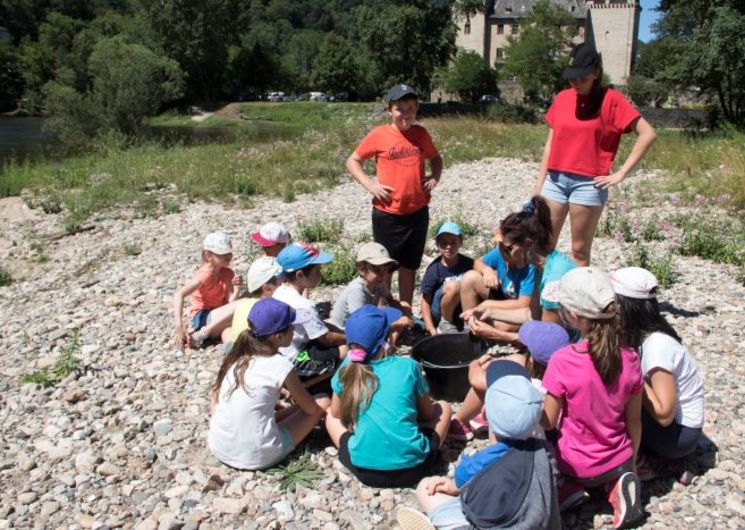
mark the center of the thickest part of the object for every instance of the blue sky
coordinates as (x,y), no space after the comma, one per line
(648,17)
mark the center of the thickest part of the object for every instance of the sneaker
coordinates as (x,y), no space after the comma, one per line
(625,498)
(572,495)
(479,425)
(445,327)
(411,519)
(459,431)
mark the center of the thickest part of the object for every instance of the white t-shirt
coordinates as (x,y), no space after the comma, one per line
(303,333)
(660,350)
(243,432)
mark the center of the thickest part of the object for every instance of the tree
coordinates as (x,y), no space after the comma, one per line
(469,76)
(537,55)
(11,85)
(335,67)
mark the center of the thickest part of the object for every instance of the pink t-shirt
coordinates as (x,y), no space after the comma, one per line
(212,292)
(593,438)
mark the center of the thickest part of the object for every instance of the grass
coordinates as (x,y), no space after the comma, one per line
(659,265)
(321,230)
(66,364)
(342,269)
(301,471)
(5,278)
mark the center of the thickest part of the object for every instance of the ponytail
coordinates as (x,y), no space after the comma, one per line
(359,383)
(604,344)
(533,223)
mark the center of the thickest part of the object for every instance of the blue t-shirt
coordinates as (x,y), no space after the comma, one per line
(514,283)
(437,272)
(386,435)
(557,265)
(470,466)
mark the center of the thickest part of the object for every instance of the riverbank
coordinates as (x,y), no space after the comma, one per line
(121,440)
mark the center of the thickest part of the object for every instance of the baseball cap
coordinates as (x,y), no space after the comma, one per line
(586,291)
(634,282)
(513,405)
(270,234)
(374,254)
(583,60)
(269,315)
(299,255)
(218,243)
(261,271)
(542,339)
(449,227)
(368,326)
(399,92)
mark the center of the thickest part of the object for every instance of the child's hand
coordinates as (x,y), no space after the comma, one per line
(181,338)
(429,184)
(432,331)
(473,313)
(442,485)
(237,281)
(380,192)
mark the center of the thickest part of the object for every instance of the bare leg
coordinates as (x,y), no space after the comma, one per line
(558,216)
(471,406)
(584,221)
(335,428)
(299,424)
(472,290)
(450,299)
(406,278)
(440,421)
(219,319)
(426,501)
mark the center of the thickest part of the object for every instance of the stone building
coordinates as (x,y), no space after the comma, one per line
(613,25)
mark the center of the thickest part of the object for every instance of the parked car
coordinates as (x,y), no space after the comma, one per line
(488,99)
(318,96)
(339,96)
(277,96)
(247,96)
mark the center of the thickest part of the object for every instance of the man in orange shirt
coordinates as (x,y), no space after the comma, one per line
(401,192)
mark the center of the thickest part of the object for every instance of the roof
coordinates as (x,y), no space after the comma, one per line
(522,8)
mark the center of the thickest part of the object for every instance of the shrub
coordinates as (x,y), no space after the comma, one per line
(342,269)
(660,266)
(301,471)
(510,113)
(328,230)
(66,364)
(5,278)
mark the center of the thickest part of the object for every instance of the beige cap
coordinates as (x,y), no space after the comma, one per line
(374,254)
(587,292)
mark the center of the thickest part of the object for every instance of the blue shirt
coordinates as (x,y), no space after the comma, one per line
(470,466)
(514,283)
(386,435)
(557,265)
(437,272)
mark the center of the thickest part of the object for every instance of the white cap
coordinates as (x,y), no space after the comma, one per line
(634,282)
(270,234)
(218,243)
(261,271)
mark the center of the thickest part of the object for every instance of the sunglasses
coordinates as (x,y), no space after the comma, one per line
(507,248)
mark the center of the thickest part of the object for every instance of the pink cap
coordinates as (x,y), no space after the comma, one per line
(271,234)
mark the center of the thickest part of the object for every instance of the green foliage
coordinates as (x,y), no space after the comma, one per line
(5,278)
(342,269)
(723,242)
(11,84)
(66,364)
(467,229)
(659,265)
(335,68)
(537,55)
(647,92)
(132,249)
(469,76)
(300,471)
(511,113)
(321,230)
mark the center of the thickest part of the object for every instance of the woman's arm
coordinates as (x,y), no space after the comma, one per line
(634,424)
(298,392)
(512,303)
(543,169)
(660,397)
(379,191)
(552,406)
(645,137)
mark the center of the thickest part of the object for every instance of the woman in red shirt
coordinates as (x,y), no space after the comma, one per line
(586,121)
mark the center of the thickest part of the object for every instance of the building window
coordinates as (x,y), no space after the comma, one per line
(500,53)
(467,27)
(500,29)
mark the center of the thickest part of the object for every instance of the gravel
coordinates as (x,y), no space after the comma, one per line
(122,441)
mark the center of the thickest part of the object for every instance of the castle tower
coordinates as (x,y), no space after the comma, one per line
(613,25)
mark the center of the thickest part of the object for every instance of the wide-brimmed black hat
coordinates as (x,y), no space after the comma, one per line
(583,60)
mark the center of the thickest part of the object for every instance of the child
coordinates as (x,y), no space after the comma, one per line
(509,484)
(374,267)
(262,279)
(213,289)
(537,342)
(378,404)
(441,281)
(314,349)
(401,193)
(245,431)
(673,401)
(596,387)
(272,237)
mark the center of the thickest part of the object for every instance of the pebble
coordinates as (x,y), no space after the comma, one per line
(122,443)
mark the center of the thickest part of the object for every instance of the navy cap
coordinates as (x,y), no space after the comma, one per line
(399,92)
(369,326)
(269,315)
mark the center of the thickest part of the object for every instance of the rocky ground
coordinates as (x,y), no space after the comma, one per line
(122,441)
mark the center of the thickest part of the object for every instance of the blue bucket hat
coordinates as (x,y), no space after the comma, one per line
(513,405)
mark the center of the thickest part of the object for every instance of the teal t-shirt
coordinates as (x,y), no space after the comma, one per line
(557,265)
(514,283)
(386,435)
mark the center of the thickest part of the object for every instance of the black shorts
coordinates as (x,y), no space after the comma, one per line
(394,478)
(403,236)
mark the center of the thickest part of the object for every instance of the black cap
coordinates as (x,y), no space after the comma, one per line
(583,60)
(399,92)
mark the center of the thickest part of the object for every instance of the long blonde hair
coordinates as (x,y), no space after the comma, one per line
(359,383)
(604,344)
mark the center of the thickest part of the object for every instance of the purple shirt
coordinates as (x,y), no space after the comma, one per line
(593,437)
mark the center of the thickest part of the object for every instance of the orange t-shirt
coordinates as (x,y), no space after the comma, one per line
(399,163)
(212,292)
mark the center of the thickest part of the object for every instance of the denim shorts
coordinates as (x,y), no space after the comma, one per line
(200,319)
(449,516)
(574,189)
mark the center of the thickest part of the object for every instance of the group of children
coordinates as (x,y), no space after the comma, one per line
(600,380)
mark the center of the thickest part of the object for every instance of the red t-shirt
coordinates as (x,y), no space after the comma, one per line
(212,292)
(399,163)
(587,147)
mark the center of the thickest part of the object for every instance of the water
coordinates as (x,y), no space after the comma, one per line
(21,138)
